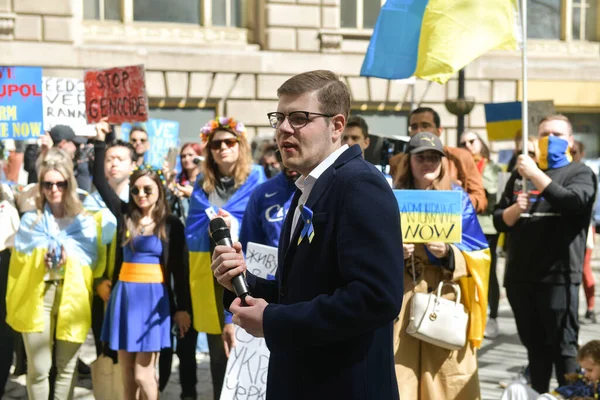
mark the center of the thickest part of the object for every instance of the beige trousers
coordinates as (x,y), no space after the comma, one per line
(39,346)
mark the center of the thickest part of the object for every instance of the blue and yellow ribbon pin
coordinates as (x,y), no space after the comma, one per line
(308,230)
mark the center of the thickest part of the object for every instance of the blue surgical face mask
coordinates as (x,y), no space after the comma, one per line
(554,153)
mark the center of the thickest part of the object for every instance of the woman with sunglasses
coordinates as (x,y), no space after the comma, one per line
(222,190)
(425,370)
(51,272)
(489,172)
(151,251)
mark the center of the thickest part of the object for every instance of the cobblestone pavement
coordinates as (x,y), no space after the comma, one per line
(500,360)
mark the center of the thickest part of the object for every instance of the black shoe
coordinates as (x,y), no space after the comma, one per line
(589,314)
(83,370)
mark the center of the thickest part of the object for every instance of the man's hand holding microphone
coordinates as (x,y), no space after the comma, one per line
(229,267)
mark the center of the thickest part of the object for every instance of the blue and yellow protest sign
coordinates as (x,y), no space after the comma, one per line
(162,135)
(430,215)
(21,103)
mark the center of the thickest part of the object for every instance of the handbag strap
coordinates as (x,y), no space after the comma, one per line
(412,269)
(454,286)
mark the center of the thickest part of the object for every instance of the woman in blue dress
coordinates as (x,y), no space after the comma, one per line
(151,251)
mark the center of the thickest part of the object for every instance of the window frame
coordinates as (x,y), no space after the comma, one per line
(206,15)
(360,16)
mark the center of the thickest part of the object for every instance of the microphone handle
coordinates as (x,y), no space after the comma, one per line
(238,282)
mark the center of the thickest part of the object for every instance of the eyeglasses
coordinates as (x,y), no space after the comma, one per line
(464,144)
(60,185)
(138,140)
(428,158)
(216,144)
(146,189)
(297,119)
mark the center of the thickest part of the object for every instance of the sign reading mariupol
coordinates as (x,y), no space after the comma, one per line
(247,366)
(430,215)
(20,103)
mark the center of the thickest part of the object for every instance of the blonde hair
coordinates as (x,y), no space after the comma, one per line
(405,179)
(242,168)
(59,161)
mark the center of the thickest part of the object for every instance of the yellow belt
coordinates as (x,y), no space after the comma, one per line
(141,273)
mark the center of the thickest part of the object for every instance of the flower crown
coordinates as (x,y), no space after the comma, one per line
(222,123)
(149,167)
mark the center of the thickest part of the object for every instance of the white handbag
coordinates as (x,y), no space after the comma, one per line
(439,321)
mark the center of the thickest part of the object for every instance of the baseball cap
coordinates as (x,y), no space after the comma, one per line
(425,141)
(62,132)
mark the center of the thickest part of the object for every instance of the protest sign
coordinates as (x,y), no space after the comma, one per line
(504,120)
(247,366)
(430,215)
(116,93)
(162,135)
(64,104)
(21,108)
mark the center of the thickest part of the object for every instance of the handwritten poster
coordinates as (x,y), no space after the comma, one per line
(430,215)
(21,108)
(64,104)
(247,366)
(162,135)
(116,93)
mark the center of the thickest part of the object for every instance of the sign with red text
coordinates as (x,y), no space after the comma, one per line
(64,104)
(116,93)
(248,363)
(21,105)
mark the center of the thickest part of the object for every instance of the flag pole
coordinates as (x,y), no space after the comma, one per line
(524,105)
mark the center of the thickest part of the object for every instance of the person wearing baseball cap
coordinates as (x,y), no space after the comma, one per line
(425,141)
(64,138)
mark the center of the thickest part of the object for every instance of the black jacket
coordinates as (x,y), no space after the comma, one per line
(175,254)
(332,306)
(548,244)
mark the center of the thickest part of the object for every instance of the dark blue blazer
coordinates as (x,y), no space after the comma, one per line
(331,308)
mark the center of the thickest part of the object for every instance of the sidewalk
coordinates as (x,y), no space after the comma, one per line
(499,360)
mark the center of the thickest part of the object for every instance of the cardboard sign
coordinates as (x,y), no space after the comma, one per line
(504,120)
(162,135)
(116,93)
(21,108)
(247,366)
(64,104)
(430,215)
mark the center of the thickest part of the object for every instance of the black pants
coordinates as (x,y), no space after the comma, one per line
(186,351)
(493,286)
(546,317)
(97,321)
(6,332)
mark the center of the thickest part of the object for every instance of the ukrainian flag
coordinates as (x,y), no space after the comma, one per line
(206,293)
(503,120)
(432,39)
(474,286)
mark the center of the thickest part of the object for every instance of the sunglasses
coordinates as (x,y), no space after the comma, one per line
(60,185)
(146,189)
(464,144)
(216,144)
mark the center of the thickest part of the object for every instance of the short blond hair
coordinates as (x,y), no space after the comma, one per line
(557,117)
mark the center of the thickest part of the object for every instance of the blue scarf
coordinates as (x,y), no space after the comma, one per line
(554,153)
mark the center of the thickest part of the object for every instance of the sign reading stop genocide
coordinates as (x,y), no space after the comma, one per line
(116,93)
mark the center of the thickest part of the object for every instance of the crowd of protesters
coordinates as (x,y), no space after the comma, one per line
(108,243)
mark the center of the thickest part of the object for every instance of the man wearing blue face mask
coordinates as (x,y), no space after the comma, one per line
(546,227)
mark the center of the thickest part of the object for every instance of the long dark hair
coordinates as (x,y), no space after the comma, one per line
(159,214)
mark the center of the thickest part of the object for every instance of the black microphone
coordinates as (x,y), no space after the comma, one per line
(219,232)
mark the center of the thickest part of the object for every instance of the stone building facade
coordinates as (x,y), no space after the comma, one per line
(206,57)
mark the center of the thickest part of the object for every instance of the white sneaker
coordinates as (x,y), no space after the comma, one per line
(491,329)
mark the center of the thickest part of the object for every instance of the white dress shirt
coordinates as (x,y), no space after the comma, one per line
(305,184)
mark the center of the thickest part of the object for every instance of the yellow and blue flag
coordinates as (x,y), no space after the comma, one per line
(474,286)
(503,120)
(25,288)
(432,39)
(207,302)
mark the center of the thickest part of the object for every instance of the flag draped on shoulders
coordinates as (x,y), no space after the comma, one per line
(107,231)
(474,286)
(432,39)
(25,288)
(207,304)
